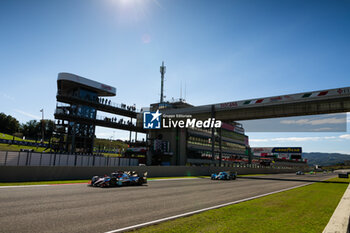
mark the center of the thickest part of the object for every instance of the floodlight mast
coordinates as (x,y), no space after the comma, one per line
(162,72)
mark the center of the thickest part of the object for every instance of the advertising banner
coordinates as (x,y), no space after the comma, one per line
(287,150)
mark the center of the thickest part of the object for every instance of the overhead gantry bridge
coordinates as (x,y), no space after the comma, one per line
(300,104)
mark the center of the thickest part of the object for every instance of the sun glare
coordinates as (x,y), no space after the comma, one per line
(130,11)
(129,3)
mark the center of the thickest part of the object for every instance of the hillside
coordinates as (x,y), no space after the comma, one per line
(324,159)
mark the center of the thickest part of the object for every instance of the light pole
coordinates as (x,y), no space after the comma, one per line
(110,143)
(42,125)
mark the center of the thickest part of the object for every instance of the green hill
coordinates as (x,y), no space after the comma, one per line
(325,159)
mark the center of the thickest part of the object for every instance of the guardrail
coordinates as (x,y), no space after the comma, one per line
(15,158)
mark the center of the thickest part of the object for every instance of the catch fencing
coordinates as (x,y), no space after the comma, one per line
(11,158)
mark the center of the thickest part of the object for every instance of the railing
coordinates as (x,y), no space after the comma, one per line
(119,121)
(104,101)
(15,158)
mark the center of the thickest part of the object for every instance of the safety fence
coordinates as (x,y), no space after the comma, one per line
(10,158)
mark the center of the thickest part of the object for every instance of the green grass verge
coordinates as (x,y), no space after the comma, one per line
(306,209)
(10,137)
(6,147)
(341,180)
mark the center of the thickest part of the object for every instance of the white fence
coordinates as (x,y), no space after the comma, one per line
(10,158)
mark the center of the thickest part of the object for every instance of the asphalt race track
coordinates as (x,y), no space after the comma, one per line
(78,208)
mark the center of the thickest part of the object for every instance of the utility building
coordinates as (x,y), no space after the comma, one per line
(196,146)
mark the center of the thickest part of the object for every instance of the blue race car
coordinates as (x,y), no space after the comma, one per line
(224,176)
(120,178)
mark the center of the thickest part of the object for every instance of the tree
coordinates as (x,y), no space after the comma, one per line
(31,129)
(49,128)
(8,124)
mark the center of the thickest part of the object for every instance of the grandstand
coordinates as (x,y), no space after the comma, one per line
(78,100)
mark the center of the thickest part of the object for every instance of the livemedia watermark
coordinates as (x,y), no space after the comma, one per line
(157,120)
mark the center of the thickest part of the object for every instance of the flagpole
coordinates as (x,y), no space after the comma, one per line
(42,125)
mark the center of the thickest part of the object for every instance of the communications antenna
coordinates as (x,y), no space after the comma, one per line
(162,72)
(181,91)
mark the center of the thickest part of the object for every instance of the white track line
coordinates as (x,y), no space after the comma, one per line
(201,210)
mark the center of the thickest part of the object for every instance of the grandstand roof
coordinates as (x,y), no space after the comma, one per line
(68,80)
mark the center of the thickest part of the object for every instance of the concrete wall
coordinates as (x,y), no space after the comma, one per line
(23,173)
(16,158)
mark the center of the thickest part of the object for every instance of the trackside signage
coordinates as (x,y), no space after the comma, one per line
(155,120)
(287,150)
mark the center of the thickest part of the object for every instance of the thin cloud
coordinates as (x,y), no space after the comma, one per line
(295,139)
(323,129)
(146,38)
(301,139)
(332,120)
(158,4)
(258,140)
(6,96)
(27,114)
(345,136)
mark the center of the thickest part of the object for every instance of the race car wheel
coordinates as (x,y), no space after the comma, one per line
(113,182)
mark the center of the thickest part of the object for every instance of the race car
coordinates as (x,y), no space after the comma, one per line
(119,178)
(299,173)
(224,176)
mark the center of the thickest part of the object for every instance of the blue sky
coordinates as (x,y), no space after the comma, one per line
(223,51)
